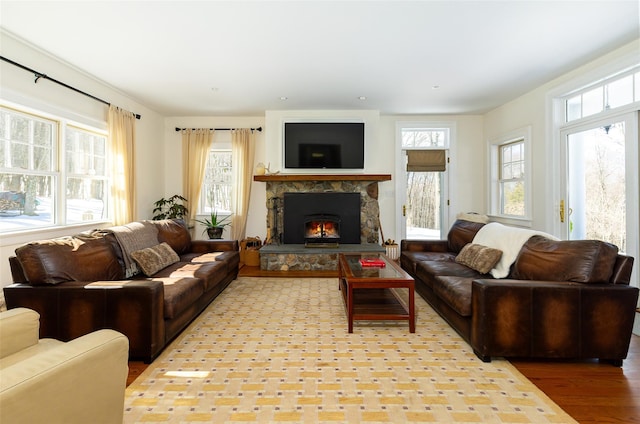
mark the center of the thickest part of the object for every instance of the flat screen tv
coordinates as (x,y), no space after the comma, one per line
(330,145)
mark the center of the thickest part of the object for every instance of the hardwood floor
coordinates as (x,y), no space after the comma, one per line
(591,392)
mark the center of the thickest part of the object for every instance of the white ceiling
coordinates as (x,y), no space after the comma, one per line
(202,58)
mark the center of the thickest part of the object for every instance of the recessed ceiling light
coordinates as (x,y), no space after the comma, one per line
(362,98)
(435,87)
(215,89)
(283,98)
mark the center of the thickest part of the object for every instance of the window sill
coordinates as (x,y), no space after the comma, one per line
(25,236)
(510,220)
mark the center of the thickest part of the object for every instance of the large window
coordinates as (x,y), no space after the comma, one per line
(217,185)
(45,182)
(509,170)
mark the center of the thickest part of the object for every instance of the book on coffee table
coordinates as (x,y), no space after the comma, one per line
(373,262)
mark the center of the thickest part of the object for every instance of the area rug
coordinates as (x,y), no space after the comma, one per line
(271,350)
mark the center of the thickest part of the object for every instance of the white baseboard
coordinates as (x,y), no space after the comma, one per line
(636,324)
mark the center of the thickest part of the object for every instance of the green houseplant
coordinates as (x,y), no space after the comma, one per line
(170,208)
(214,226)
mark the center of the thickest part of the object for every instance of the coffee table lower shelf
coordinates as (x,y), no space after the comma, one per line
(376,304)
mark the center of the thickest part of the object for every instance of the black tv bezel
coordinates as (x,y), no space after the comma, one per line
(295,163)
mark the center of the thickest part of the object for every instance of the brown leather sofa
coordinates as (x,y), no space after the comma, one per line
(79,284)
(560,299)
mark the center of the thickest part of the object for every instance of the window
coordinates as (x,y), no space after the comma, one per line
(425,138)
(615,92)
(509,188)
(511,178)
(217,185)
(44,182)
(86,175)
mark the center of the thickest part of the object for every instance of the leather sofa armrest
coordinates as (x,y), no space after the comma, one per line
(424,245)
(70,310)
(527,318)
(207,246)
(19,329)
(79,381)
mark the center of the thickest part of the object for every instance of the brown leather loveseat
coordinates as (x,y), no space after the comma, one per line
(554,299)
(147,280)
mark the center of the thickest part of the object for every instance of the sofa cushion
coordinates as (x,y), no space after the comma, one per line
(175,233)
(461,233)
(455,292)
(508,239)
(478,257)
(409,260)
(210,273)
(153,259)
(427,271)
(77,258)
(581,261)
(180,294)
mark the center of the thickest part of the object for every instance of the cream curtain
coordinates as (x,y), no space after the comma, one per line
(426,160)
(121,142)
(242,155)
(195,151)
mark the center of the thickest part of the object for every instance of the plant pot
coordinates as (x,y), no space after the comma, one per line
(215,232)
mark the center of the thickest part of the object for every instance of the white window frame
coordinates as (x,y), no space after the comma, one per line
(203,208)
(495,200)
(58,171)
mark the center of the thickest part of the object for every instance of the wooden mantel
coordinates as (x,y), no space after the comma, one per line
(323,177)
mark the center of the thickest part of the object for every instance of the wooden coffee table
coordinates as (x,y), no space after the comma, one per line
(369,292)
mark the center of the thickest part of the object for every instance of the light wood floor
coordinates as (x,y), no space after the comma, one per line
(591,392)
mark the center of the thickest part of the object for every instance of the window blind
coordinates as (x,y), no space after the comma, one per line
(426,160)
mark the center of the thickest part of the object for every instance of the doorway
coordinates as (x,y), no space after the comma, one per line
(422,182)
(600,173)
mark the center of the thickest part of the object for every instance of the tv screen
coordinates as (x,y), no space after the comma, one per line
(331,145)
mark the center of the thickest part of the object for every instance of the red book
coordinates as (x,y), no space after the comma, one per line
(372,262)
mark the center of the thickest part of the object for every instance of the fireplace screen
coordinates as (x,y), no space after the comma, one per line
(322,228)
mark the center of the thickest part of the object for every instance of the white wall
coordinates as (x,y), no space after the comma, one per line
(17,86)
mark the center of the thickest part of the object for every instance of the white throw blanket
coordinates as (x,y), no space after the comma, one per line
(132,237)
(508,239)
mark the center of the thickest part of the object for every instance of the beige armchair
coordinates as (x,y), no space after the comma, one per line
(48,381)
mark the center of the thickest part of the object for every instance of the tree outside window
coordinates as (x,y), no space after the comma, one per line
(217,186)
(34,192)
(509,188)
(512,179)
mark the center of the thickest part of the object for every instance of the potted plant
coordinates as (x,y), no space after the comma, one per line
(170,208)
(214,226)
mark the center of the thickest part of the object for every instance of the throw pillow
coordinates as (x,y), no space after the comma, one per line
(478,257)
(153,259)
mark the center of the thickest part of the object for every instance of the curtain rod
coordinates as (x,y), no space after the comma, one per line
(39,75)
(259,129)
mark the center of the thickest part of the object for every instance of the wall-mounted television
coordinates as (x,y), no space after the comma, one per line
(330,145)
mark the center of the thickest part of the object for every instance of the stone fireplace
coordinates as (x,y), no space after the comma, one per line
(282,253)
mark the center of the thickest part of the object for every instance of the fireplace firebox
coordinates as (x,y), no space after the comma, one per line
(321,229)
(316,219)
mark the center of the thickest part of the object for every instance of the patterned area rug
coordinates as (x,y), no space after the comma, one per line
(277,350)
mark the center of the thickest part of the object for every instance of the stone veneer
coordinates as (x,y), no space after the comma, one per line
(297,257)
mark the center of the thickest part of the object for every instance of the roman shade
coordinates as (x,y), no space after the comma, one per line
(426,160)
